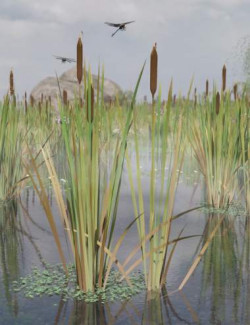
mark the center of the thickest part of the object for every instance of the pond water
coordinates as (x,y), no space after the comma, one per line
(217,293)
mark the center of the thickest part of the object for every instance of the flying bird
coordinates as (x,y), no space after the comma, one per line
(121,26)
(63,59)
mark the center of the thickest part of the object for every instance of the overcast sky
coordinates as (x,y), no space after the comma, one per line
(194,37)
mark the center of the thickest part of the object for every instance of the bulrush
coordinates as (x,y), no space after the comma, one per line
(12,91)
(32,101)
(25,102)
(235,89)
(91,108)
(153,71)
(40,107)
(79,59)
(217,103)
(224,76)
(65,97)
(207,88)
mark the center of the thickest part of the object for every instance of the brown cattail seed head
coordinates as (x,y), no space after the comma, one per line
(207,86)
(235,91)
(25,102)
(195,97)
(12,91)
(65,98)
(153,70)
(224,76)
(79,60)
(39,107)
(91,108)
(32,101)
(217,103)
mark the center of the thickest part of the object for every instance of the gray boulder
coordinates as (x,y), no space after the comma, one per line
(68,81)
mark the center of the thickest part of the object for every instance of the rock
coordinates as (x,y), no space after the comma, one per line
(68,81)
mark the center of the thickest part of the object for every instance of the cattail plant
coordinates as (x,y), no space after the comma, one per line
(79,60)
(207,88)
(195,97)
(153,71)
(25,102)
(217,104)
(235,89)
(32,101)
(224,74)
(65,97)
(12,90)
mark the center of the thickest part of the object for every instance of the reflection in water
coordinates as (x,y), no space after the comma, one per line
(225,264)
(159,310)
(10,249)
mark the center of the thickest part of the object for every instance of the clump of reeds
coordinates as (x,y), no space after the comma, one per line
(11,149)
(89,206)
(215,136)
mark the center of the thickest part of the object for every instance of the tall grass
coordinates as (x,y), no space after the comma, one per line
(89,205)
(11,150)
(215,138)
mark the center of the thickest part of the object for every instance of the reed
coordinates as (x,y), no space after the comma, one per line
(11,151)
(88,207)
(156,247)
(214,137)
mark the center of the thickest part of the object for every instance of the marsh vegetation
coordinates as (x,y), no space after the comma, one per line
(77,169)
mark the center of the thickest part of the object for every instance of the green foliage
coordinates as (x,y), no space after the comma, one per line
(53,281)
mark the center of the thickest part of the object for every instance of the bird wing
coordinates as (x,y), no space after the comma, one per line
(70,60)
(58,57)
(64,59)
(128,22)
(112,24)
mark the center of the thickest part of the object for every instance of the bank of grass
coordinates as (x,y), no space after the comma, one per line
(12,149)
